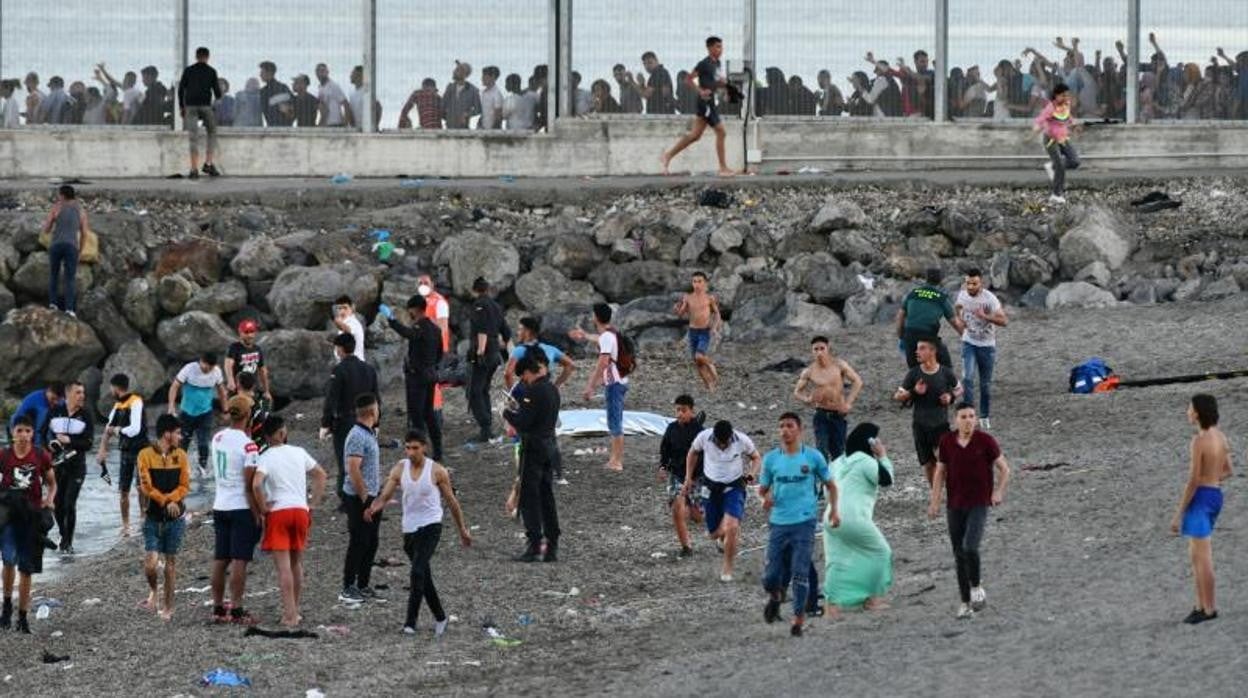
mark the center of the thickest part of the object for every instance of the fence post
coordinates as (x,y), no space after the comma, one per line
(182,40)
(563,71)
(367,120)
(940,111)
(1133,61)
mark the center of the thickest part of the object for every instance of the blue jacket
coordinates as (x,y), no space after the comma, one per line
(35,405)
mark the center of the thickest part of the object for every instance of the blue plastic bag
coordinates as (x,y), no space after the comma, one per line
(224,677)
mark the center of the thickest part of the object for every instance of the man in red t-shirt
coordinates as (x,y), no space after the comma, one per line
(27,487)
(967,462)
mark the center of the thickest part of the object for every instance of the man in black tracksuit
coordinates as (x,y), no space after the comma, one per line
(70,425)
(488,325)
(534,419)
(351,378)
(420,368)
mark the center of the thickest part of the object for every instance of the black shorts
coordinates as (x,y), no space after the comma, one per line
(927,441)
(128,470)
(237,535)
(708,112)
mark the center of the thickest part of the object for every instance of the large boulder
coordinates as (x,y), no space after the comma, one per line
(472,255)
(662,243)
(141,305)
(546,287)
(810,317)
(1225,287)
(397,288)
(759,303)
(850,246)
(32,277)
(1099,235)
(190,334)
(1079,294)
(7,301)
(650,311)
(958,225)
(1027,270)
(822,277)
(837,214)
(624,282)
(10,260)
(694,247)
(175,291)
(298,361)
(97,310)
(258,258)
(573,255)
(302,297)
(625,250)
(861,308)
(202,258)
(42,345)
(615,226)
(147,374)
(729,236)
(220,299)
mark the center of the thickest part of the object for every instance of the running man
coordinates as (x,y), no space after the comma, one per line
(1202,501)
(969,460)
(245,356)
(729,463)
(981,314)
(789,483)
(164,482)
(127,422)
(424,486)
(29,487)
(72,427)
(702,309)
(236,518)
(280,490)
(612,371)
(822,386)
(199,382)
(1056,121)
(931,388)
(920,315)
(707,77)
(197,91)
(673,455)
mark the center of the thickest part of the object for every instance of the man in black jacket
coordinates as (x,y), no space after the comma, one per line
(673,452)
(420,368)
(71,428)
(154,109)
(534,418)
(488,326)
(196,92)
(351,378)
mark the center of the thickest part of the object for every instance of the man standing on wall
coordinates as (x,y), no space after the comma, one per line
(196,91)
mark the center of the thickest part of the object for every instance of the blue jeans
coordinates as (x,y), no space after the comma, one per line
(615,408)
(830,429)
(978,361)
(788,556)
(62,254)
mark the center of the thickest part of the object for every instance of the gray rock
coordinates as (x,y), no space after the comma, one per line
(907,267)
(1027,270)
(650,311)
(545,288)
(190,334)
(31,278)
(1188,290)
(932,245)
(298,361)
(810,317)
(661,243)
(1096,273)
(1099,235)
(822,277)
(258,258)
(653,338)
(175,291)
(201,258)
(222,299)
(759,304)
(42,345)
(302,297)
(615,226)
(97,310)
(988,245)
(573,255)
(140,305)
(1143,293)
(797,243)
(681,221)
(852,246)
(1225,287)
(1079,294)
(693,248)
(10,260)
(1189,267)
(252,218)
(147,374)
(861,308)
(625,250)
(472,255)
(396,288)
(7,301)
(729,236)
(999,271)
(957,225)
(1166,289)
(837,214)
(1239,270)
(23,229)
(1036,297)
(923,222)
(624,282)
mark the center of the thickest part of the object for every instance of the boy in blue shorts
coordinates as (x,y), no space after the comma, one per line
(707,77)
(1202,501)
(729,463)
(704,319)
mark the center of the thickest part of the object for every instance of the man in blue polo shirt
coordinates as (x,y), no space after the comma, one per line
(527,338)
(787,486)
(37,405)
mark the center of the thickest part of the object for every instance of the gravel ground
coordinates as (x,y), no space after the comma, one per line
(1086,586)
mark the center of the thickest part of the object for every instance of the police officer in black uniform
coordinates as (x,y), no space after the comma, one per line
(534,418)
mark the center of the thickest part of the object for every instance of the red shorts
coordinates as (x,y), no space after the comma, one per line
(286,529)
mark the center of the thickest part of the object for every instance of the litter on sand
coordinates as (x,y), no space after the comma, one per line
(223,677)
(594,423)
(335,630)
(313,693)
(49,658)
(1044,466)
(92,602)
(194,590)
(297,634)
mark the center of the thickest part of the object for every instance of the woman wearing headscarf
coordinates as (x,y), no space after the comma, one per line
(859,567)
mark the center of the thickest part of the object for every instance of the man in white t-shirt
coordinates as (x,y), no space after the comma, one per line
(491,100)
(335,111)
(235,515)
(347,323)
(280,488)
(608,373)
(982,313)
(199,382)
(730,461)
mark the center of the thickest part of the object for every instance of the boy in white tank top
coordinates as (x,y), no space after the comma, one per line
(425,486)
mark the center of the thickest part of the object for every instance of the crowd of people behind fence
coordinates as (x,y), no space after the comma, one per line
(1016,88)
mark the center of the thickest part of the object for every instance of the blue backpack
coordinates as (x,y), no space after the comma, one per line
(1085,377)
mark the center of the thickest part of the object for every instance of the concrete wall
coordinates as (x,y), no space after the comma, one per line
(619,146)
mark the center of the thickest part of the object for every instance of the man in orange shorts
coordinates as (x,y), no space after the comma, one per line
(281,491)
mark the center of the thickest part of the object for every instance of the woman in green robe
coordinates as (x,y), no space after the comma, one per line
(859,568)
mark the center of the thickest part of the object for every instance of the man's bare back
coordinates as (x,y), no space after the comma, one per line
(1211,457)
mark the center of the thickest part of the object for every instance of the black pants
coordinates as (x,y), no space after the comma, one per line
(69,478)
(479,380)
(911,339)
(340,443)
(361,543)
(420,413)
(420,546)
(537,493)
(1064,157)
(966,530)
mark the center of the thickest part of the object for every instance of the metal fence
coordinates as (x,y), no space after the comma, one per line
(481,65)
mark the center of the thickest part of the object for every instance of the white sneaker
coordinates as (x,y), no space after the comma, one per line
(979,598)
(409,630)
(71,313)
(439,627)
(965,612)
(985,424)
(725,578)
(1048,169)
(1055,199)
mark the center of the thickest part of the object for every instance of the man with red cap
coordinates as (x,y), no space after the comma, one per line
(245,356)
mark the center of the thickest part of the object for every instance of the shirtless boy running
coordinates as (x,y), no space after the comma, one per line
(703,312)
(822,386)
(1202,501)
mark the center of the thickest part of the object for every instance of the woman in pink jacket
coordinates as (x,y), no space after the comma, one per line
(1056,121)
